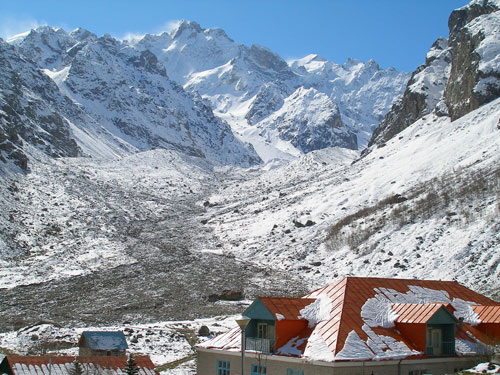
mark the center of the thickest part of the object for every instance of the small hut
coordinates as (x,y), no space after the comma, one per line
(102,343)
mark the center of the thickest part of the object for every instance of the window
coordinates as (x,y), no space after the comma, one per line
(417,372)
(290,371)
(262,330)
(223,367)
(434,341)
(258,370)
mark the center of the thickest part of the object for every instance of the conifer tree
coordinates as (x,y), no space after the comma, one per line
(131,367)
(76,368)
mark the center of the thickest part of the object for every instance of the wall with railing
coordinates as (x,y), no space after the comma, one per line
(259,345)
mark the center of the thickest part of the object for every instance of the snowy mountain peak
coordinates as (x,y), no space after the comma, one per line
(243,85)
(186,29)
(268,60)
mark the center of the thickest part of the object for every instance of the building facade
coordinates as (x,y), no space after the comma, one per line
(360,326)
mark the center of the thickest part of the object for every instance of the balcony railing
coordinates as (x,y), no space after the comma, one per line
(447,348)
(259,345)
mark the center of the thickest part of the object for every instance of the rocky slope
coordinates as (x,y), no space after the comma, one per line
(459,75)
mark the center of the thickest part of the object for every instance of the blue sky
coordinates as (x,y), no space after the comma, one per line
(394,33)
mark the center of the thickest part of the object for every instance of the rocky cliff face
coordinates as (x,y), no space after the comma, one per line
(31,112)
(475,66)
(459,75)
(423,92)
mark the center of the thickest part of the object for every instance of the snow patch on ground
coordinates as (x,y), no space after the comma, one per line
(485,368)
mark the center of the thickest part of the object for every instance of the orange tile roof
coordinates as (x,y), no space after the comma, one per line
(288,308)
(415,300)
(417,313)
(488,314)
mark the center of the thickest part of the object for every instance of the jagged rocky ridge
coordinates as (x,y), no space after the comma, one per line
(124,100)
(460,73)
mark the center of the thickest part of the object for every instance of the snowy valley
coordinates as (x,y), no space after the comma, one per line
(143,180)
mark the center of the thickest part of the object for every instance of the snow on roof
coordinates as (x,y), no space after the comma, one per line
(61,365)
(317,311)
(292,347)
(229,341)
(105,340)
(361,316)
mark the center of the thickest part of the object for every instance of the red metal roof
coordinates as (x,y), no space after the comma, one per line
(416,301)
(230,341)
(350,294)
(488,314)
(417,313)
(38,365)
(288,308)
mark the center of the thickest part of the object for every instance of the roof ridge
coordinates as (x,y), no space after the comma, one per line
(342,310)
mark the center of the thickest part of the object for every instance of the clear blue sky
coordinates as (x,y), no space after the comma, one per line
(394,33)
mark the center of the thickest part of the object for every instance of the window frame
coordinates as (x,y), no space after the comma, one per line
(257,369)
(262,330)
(223,367)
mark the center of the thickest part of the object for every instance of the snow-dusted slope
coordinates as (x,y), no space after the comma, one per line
(126,234)
(423,206)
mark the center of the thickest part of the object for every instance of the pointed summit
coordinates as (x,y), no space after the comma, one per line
(186,26)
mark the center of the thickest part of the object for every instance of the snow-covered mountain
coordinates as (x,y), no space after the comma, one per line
(180,90)
(125,99)
(247,86)
(161,234)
